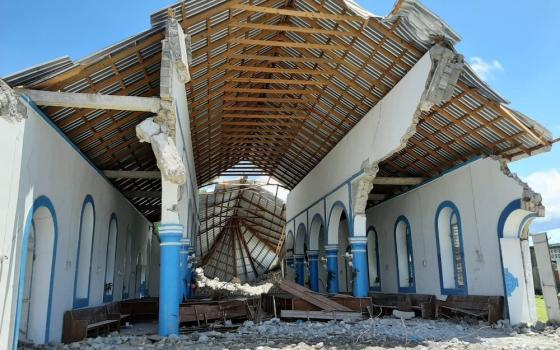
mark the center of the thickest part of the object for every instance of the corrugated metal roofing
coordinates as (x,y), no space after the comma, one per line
(346,64)
(241,227)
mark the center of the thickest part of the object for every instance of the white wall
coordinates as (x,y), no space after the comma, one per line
(50,166)
(376,136)
(481,192)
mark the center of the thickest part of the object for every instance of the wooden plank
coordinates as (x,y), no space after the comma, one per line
(276,81)
(311,297)
(275,43)
(285,12)
(288,28)
(322,315)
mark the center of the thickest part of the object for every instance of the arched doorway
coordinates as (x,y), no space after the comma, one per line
(340,265)
(36,273)
(299,255)
(108,288)
(373,259)
(317,242)
(84,253)
(289,272)
(513,232)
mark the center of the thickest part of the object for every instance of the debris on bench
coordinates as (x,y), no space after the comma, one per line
(406,315)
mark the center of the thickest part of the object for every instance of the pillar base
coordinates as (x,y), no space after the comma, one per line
(170,235)
(359,260)
(331,253)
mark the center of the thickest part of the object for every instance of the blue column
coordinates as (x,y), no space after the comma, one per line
(300,271)
(359,260)
(331,252)
(184,267)
(313,258)
(169,235)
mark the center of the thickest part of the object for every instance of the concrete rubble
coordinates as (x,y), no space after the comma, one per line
(368,334)
(235,288)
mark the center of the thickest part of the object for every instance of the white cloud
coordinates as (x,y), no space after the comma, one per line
(547,183)
(485,70)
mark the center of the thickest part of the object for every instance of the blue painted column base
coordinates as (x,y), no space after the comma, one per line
(313,258)
(169,285)
(300,270)
(331,252)
(359,260)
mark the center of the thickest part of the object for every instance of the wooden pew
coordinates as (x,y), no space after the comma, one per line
(489,308)
(89,322)
(144,309)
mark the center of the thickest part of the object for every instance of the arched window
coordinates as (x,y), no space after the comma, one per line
(405,257)
(451,258)
(110,259)
(84,254)
(373,260)
(38,259)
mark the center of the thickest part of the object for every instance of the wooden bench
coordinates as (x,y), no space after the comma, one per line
(115,308)
(382,303)
(89,322)
(144,309)
(488,308)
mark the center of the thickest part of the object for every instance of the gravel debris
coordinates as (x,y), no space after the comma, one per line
(387,332)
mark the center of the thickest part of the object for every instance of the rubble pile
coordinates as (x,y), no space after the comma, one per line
(367,334)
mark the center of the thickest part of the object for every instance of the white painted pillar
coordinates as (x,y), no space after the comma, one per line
(548,282)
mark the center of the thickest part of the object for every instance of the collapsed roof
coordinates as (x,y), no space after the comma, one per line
(279,83)
(241,229)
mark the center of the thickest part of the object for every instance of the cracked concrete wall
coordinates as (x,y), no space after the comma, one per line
(481,190)
(384,130)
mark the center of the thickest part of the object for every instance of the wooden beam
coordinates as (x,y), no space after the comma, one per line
(275,70)
(136,174)
(285,44)
(92,101)
(276,81)
(285,12)
(270,99)
(287,28)
(263,116)
(398,181)
(270,91)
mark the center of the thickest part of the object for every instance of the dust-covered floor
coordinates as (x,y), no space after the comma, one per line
(368,334)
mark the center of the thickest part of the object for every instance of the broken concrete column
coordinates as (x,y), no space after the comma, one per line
(11,107)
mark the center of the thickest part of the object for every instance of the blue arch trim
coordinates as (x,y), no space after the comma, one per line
(371,229)
(83,302)
(322,221)
(348,219)
(40,202)
(457,290)
(510,208)
(301,224)
(109,297)
(410,251)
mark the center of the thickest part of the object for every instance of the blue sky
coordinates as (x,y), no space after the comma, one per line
(515,48)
